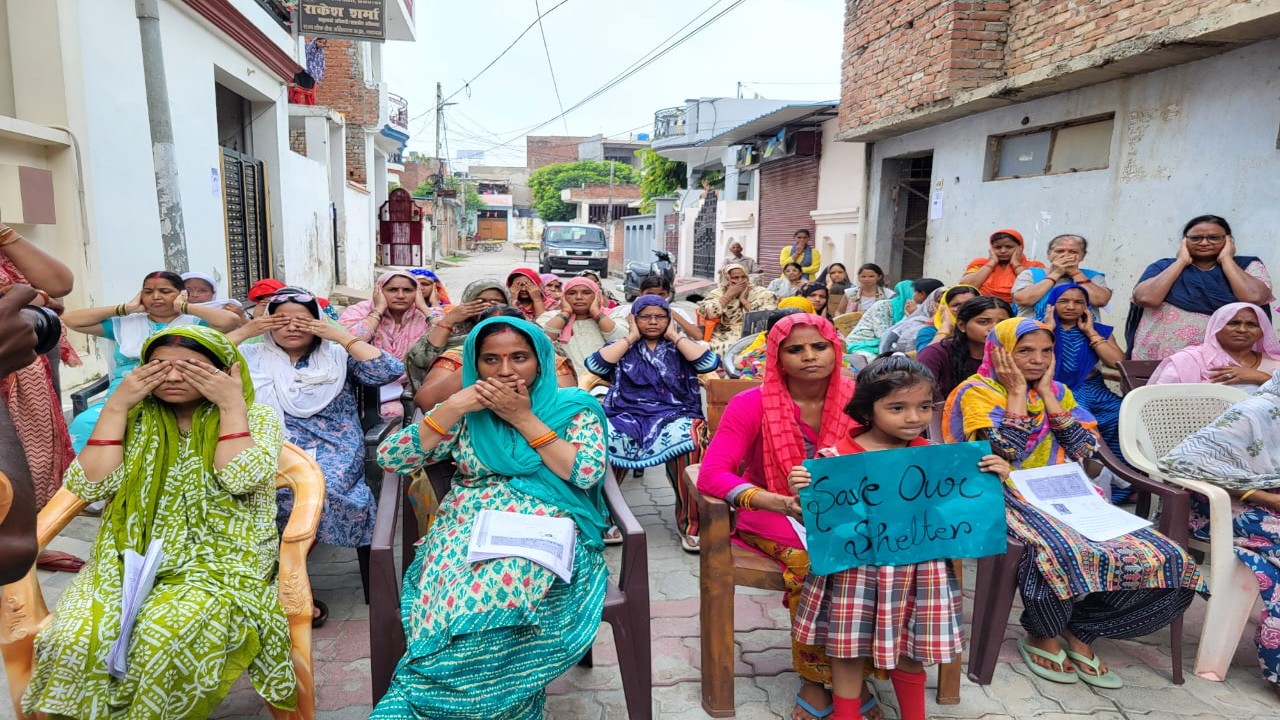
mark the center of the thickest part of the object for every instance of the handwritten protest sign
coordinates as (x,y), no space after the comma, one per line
(897,507)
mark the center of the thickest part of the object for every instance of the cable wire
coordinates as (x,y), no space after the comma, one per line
(555,85)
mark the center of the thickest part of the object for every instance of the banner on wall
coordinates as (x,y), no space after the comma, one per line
(362,20)
(898,507)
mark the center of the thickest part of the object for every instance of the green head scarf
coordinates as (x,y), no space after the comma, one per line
(505,451)
(904,291)
(151,444)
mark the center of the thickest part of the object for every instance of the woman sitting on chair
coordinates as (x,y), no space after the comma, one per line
(445,378)
(1071,586)
(188,460)
(727,306)
(485,638)
(448,333)
(392,321)
(304,369)
(766,431)
(1240,348)
(1240,451)
(654,403)
(581,325)
(863,341)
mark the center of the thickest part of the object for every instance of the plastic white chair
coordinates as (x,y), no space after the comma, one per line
(1154,419)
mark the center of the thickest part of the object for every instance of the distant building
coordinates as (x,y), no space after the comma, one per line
(543,150)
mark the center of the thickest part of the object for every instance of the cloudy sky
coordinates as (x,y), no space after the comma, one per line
(784,49)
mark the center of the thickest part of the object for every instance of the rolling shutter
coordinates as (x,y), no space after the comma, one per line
(788,193)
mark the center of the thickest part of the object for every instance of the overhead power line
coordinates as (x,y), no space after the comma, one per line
(554,84)
(494,61)
(645,60)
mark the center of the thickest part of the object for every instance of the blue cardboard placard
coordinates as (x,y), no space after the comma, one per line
(898,507)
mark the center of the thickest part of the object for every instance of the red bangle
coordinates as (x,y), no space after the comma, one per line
(99,443)
(234,436)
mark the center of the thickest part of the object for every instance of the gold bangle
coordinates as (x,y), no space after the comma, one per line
(435,426)
(745,498)
(121,310)
(1246,494)
(185,306)
(347,345)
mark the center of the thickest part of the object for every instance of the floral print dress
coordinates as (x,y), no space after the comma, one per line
(335,439)
(484,639)
(214,610)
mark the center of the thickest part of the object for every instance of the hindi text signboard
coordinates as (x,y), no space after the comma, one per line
(348,19)
(898,507)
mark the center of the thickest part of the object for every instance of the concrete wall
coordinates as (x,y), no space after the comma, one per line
(1196,138)
(360,227)
(842,181)
(307,243)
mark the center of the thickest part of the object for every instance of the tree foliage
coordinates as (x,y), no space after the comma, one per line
(545,184)
(465,192)
(659,177)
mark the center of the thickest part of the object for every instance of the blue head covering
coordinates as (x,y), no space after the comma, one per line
(1074,359)
(423,272)
(645,301)
(502,449)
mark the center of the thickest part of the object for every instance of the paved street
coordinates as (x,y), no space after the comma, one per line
(766,684)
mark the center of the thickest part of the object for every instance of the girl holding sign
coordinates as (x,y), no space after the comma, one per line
(1071,587)
(899,617)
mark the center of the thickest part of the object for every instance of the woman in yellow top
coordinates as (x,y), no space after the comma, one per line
(803,253)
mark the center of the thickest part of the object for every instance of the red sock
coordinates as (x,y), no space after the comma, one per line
(909,688)
(846,708)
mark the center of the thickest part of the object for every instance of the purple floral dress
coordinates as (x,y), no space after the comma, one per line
(334,438)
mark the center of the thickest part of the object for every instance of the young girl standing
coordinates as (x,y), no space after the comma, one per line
(898,617)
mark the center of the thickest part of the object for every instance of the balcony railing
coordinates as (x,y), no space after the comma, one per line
(668,123)
(398,114)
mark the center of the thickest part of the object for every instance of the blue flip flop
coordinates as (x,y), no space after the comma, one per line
(805,706)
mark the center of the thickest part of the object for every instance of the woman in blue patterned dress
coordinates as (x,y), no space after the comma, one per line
(485,639)
(1240,452)
(654,403)
(304,368)
(1079,344)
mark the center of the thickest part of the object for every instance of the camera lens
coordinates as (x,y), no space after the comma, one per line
(47,326)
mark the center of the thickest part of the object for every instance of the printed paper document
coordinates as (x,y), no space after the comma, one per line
(548,541)
(1065,493)
(139,577)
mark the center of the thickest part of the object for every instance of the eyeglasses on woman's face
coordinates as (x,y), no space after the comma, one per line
(1205,239)
(651,317)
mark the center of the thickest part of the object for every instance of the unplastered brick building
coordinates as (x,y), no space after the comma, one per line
(1117,120)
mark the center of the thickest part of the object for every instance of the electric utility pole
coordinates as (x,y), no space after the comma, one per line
(611,165)
(435,215)
(168,195)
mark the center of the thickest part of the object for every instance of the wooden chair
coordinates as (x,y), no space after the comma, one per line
(844,323)
(626,605)
(23,613)
(6,496)
(723,566)
(1136,373)
(1154,420)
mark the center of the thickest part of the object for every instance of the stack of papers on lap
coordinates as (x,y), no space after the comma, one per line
(1065,493)
(548,541)
(139,577)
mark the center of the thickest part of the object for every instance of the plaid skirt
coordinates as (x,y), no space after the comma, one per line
(883,613)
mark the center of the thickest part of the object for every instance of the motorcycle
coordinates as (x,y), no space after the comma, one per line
(638,271)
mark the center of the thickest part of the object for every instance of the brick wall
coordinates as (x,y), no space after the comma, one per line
(543,150)
(344,90)
(904,55)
